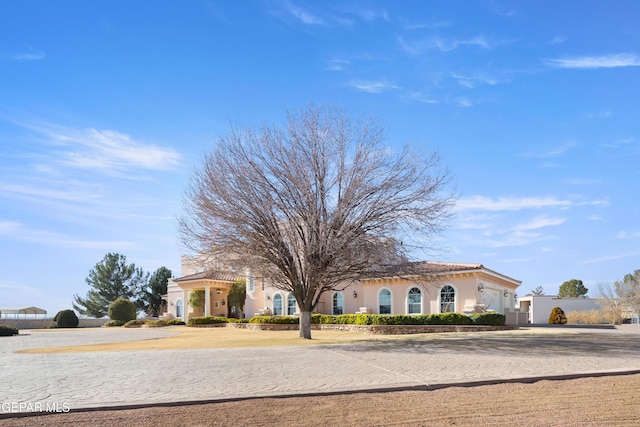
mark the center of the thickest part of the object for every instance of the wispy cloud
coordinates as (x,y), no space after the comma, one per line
(510,203)
(552,152)
(375,86)
(337,64)
(17,231)
(305,16)
(472,81)
(463,102)
(540,222)
(411,25)
(558,40)
(620,143)
(423,98)
(105,151)
(627,235)
(30,55)
(599,115)
(593,62)
(447,45)
(609,258)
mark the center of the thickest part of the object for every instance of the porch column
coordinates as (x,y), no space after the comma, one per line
(207,301)
(185,305)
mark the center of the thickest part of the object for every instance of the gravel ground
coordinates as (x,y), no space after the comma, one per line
(607,400)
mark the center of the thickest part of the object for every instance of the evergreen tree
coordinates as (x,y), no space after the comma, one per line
(110,279)
(154,305)
(573,289)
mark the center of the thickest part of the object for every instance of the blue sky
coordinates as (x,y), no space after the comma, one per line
(107,106)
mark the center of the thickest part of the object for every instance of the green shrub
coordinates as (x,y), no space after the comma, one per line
(174,322)
(277,320)
(489,319)
(557,317)
(236,320)
(207,320)
(137,323)
(113,323)
(8,331)
(123,310)
(65,319)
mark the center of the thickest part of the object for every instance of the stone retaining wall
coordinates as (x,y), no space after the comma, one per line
(46,323)
(373,329)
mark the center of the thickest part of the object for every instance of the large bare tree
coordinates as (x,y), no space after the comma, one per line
(315,203)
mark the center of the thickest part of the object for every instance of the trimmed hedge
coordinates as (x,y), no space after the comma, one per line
(207,320)
(8,331)
(489,319)
(486,319)
(278,320)
(138,323)
(65,319)
(122,310)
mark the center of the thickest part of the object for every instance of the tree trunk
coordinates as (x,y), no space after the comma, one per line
(305,325)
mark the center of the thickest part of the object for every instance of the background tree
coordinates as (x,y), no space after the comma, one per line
(315,204)
(611,305)
(628,289)
(110,279)
(538,291)
(151,294)
(237,297)
(572,289)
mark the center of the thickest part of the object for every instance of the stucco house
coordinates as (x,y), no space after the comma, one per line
(448,287)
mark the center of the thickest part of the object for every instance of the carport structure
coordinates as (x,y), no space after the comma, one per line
(7,312)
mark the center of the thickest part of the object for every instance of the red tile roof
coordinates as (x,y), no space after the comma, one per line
(221,276)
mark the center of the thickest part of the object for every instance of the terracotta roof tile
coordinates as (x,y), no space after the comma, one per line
(222,276)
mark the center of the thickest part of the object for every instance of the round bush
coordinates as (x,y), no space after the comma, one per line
(123,310)
(66,319)
(7,331)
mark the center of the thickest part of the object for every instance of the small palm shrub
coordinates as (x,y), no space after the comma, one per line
(66,319)
(557,317)
(123,310)
(7,331)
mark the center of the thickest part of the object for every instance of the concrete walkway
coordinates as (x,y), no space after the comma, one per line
(105,379)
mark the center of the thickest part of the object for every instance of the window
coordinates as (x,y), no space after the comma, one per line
(384,301)
(414,301)
(252,282)
(277,305)
(179,308)
(291,305)
(447,299)
(336,303)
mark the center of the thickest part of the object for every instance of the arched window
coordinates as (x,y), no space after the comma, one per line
(179,308)
(447,299)
(277,305)
(291,305)
(414,301)
(384,301)
(336,303)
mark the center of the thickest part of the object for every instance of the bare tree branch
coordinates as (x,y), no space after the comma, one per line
(316,203)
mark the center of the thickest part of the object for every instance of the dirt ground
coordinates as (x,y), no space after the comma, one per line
(599,401)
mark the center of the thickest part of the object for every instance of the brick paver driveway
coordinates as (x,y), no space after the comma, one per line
(99,379)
